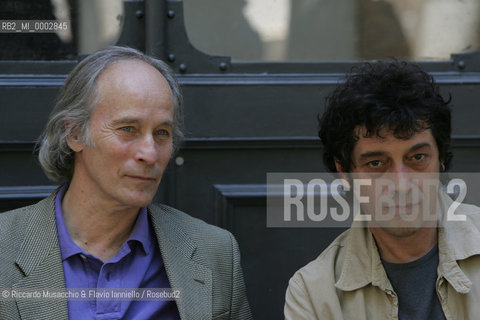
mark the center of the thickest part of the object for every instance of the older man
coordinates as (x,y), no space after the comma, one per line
(388,125)
(108,141)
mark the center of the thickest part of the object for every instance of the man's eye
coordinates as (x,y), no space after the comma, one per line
(374,164)
(419,157)
(128,129)
(163,132)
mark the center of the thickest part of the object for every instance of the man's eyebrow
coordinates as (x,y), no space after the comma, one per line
(419,146)
(128,120)
(370,154)
(167,123)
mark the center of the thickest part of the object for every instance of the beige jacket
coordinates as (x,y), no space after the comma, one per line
(348,281)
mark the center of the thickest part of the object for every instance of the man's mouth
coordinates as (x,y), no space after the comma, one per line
(142,178)
(407,208)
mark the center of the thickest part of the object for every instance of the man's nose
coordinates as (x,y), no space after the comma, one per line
(146,150)
(402,178)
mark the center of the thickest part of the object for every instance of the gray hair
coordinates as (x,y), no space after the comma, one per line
(75,103)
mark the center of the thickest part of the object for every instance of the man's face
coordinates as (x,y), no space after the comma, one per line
(404,180)
(131,129)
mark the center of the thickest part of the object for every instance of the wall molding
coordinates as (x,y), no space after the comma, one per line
(234,79)
(26,192)
(289,79)
(458,141)
(31,80)
(228,196)
(20,196)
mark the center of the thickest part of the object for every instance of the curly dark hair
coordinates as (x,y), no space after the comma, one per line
(396,96)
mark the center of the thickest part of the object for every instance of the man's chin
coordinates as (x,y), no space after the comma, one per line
(398,227)
(400,232)
(144,202)
(139,200)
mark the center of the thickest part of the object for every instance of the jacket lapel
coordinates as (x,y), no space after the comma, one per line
(40,260)
(194,281)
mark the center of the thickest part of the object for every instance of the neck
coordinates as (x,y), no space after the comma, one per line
(94,225)
(406,248)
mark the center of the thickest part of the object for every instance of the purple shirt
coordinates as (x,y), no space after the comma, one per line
(138,264)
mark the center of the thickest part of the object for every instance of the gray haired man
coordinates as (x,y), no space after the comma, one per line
(108,141)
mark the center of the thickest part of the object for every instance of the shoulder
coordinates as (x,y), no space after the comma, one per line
(12,223)
(212,243)
(455,211)
(15,218)
(186,220)
(473,213)
(311,290)
(195,228)
(14,226)
(459,233)
(12,232)
(462,221)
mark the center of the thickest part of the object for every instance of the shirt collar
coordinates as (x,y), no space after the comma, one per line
(142,232)
(67,247)
(362,264)
(457,240)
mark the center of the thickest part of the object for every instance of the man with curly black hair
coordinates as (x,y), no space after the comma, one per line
(389,124)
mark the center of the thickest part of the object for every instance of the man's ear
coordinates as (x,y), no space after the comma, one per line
(74,139)
(339,167)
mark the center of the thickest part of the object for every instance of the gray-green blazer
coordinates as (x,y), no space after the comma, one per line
(201,260)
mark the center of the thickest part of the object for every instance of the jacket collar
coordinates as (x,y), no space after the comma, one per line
(193,280)
(40,260)
(362,264)
(457,240)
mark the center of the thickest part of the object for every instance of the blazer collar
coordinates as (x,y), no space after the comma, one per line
(40,260)
(179,254)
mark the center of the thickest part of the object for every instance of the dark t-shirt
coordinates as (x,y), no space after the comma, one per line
(414,283)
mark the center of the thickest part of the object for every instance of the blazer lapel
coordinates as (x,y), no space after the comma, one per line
(194,281)
(40,260)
